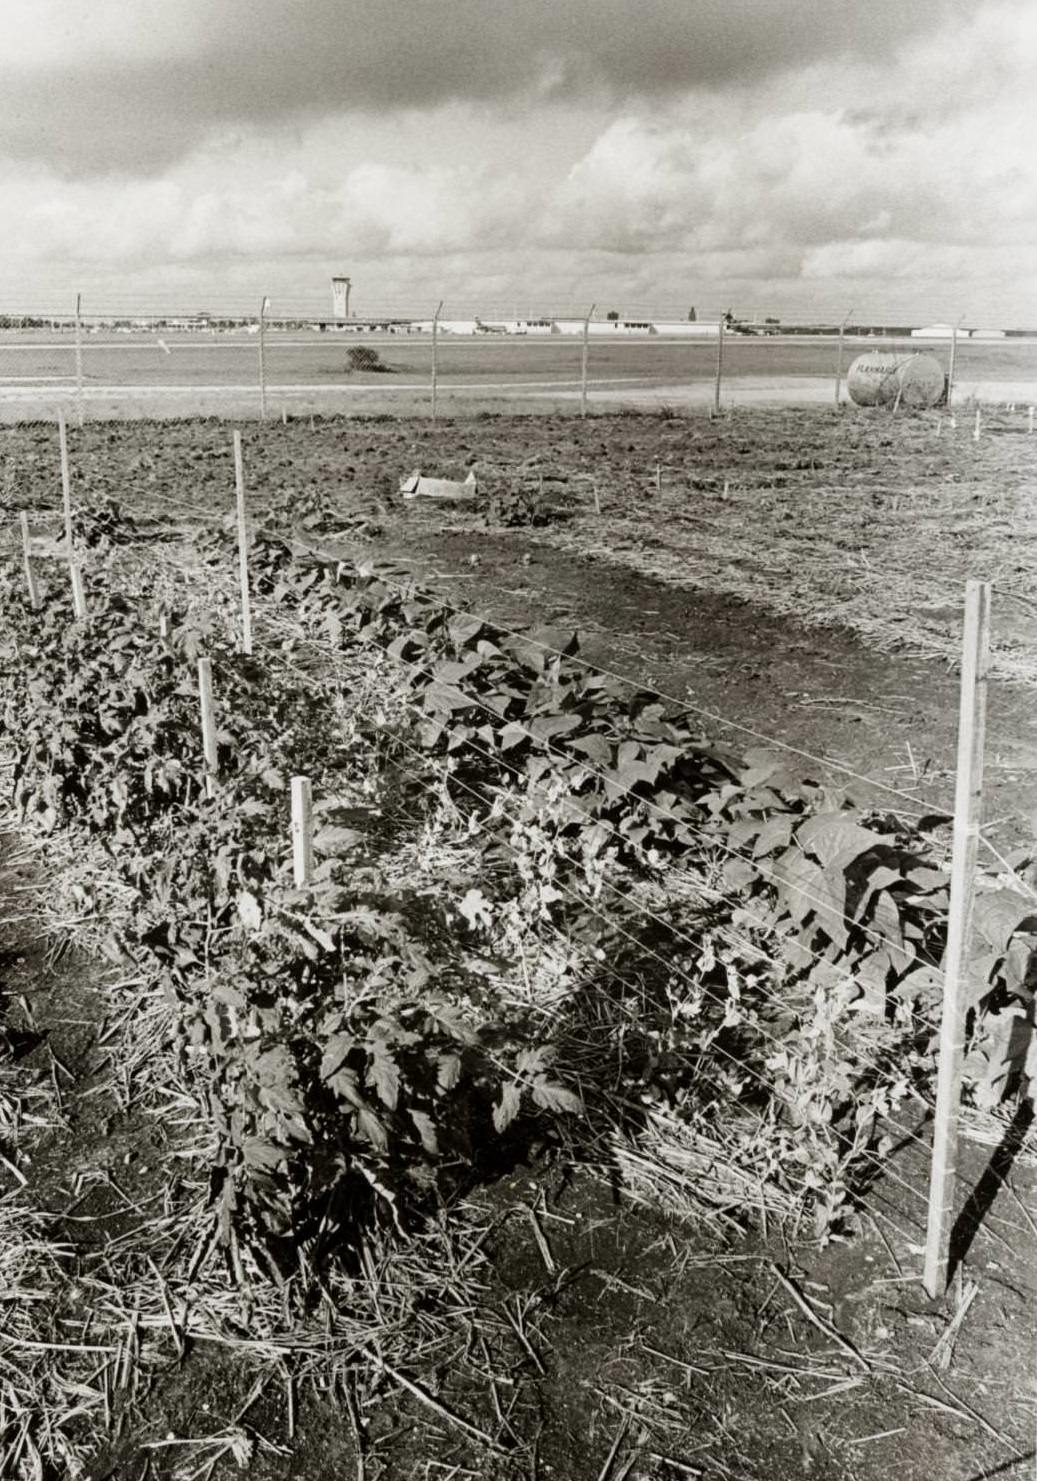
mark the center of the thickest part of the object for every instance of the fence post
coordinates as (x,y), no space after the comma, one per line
(30,575)
(246,603)
(720,367)
(976,428)
(208,723)
(583,360)
(262,356)
(66,482)
(79,358)
(839,358)
(302,831)
(968,802)
(950,367)
(75,571)
(435,357)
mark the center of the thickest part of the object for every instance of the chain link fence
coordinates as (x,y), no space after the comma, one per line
(96,366)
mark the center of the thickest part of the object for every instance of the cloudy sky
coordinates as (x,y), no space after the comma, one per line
(796,157)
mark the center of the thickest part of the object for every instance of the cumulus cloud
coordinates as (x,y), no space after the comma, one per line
(787,153)
(134,84)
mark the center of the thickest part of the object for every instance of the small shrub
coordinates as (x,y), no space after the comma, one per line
(365,357)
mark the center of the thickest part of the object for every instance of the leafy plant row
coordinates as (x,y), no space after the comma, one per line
(346,1046)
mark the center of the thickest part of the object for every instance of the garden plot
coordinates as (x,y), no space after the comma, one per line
(553,920)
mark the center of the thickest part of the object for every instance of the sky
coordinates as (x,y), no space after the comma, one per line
(801,158)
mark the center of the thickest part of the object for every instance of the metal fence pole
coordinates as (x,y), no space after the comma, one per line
(583,360)
(839,358)
(79,358)
(262,356)
(435,358)
(720,366)
(950,367)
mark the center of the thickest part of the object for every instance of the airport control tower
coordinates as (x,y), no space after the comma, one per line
(340,297)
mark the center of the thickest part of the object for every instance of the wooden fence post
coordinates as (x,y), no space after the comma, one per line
(30,575)
(302,831)
(435,358)
(208,723)
(66,482)
(718,379)
(75,571)
(583,360)
(968,803)
(246,602)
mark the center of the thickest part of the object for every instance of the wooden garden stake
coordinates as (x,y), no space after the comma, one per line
(435,358)
(208,723)
(246,602)
(583,360)
(30,575)
(284,416)
(658,478)
(66,482)
(975,430)
(302,831)
(78,594)
(163,625)
(968,801)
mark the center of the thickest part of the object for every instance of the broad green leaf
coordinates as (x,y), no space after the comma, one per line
(333,842)
(831,835)
(545,727)
(556,1098)
(998,914)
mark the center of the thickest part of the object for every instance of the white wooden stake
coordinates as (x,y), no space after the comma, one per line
(284,416)
(975,430)
(163,625)
(246,601)
(302,831)
(208,723)
(78,594)
(435,358)
(658,478)
(66,482)
(583,360)
(30,575)
(968,802)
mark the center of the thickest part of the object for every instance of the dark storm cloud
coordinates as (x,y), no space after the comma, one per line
(264,62)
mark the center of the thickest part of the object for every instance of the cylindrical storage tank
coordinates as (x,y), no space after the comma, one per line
(880,378)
